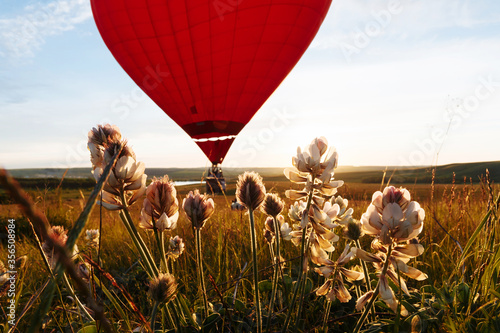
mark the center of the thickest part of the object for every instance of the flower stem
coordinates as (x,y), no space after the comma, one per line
(141,246)
(77,300)
(199,260)
(327,315)
(302,257)
(367,276)
(153,315)
(160,241)
(362,319)
(255,270)
(365,269)
(277,267)
(145,261)
(275,259)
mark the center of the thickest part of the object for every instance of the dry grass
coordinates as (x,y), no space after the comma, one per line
(453,212)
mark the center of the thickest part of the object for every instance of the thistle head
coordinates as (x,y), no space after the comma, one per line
(272,205)
(162,289)
(353,230)
(250,190)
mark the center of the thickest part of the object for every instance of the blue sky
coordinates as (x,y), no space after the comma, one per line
(386,82)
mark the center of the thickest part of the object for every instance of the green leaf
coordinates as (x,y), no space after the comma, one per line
(210,323)
(88,329)
(239,306)
(265,286)
(77,229)
(309,286)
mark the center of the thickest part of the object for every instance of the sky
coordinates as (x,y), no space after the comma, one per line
(387,82)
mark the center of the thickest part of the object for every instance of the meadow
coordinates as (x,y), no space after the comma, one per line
(461,260)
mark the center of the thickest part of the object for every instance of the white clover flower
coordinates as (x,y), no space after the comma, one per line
(92,237)
(392,217)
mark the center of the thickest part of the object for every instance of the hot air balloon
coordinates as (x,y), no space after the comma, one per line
(209,65)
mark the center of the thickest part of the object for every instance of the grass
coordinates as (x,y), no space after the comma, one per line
(462,293)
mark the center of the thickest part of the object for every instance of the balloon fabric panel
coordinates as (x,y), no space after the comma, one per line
(209,65)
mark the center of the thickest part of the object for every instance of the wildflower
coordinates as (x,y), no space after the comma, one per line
(162,288)
(99,138)
(175,248)
(392,217)
(198,208)
(59,236)
(160,206)
(352,230)
(92,237)
(314,213)
(333,270)
(312,160)
(272,205)
(126,179)
(296,213)
(286,231)
(344,214)
(250,190)
(321,235)
(388,296)
(361,302)
(398,259)
(319,244)
(269,231)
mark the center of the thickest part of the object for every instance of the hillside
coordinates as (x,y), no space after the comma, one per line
(364,174)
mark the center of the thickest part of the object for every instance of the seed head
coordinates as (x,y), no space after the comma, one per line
(162,288)
(353,230)
(272,205)
(250,190)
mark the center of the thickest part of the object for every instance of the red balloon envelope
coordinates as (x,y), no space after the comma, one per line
(209,64)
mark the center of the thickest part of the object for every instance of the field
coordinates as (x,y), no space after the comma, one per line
(461,259)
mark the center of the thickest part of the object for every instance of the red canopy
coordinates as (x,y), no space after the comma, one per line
(209,65)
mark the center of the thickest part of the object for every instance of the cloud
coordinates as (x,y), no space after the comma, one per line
(21,36)
(356,22)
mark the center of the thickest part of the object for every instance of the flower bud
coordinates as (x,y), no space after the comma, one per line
(92,237)
(198,208)
(176,247)
(161,205)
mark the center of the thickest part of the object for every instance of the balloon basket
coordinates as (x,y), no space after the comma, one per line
(215,182)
